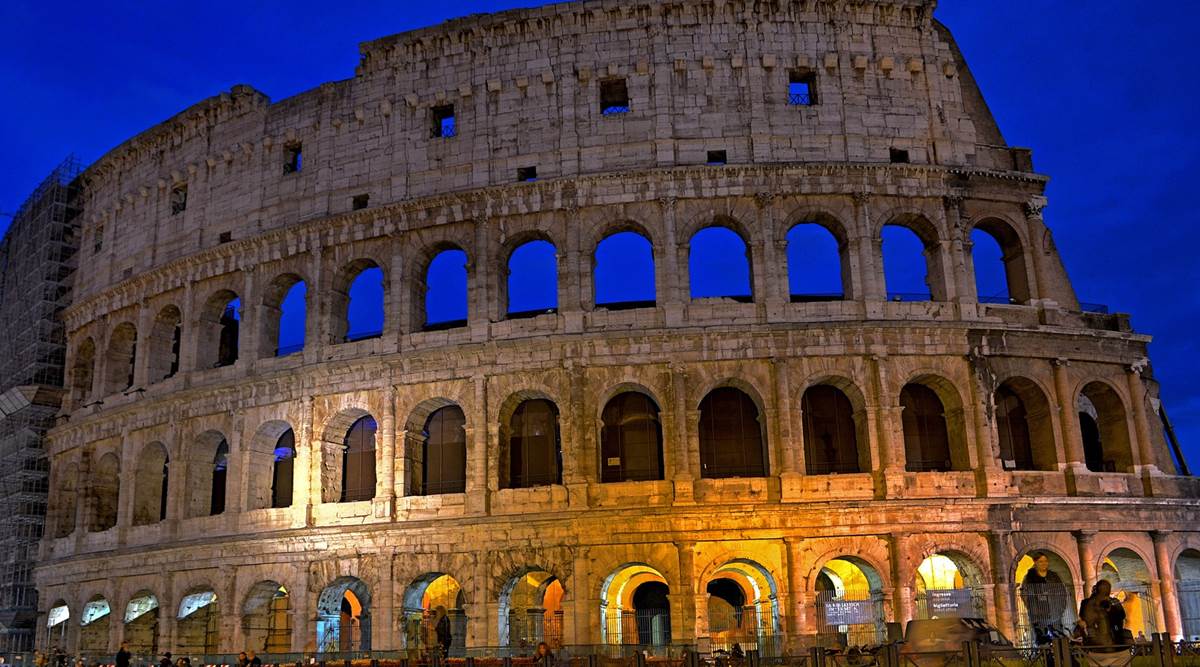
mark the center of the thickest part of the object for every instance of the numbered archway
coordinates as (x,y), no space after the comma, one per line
(94,624)
(1045,599)
(849,603)
(531,611)
(635,607)
(141,624)
(267,618)
(948,585)
(1131,584)
(197,628)
(343,617)
(433,617)
(743,608)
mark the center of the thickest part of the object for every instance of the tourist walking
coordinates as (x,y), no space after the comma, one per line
(1102,626)
(543,657)
(445,636)
(166,660)
(123,656)
(254,660)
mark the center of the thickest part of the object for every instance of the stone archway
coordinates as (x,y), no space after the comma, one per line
(743,608)
(343,616)
(1045,600)
(948,584)
(428,600)
(267,618)
(531,611)
(849,603)
(635,607)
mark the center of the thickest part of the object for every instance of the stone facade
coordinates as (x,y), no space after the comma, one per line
(213,205)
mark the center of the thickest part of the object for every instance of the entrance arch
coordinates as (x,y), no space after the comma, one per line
(198,627)
(267,618)
(94,624)
(1187,578)
(743,608)
(635,607)
(948,585)
(1045,599)
(57,621)
(343,616)
(427,600)
(141,623)
(1131,584)
(531,611)
(849,603)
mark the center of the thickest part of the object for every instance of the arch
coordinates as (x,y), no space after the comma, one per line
(217,332)
(720,264)
(163,344)
(433,616)
(949,584)
(1024,428)
(198,623)
(931,416)
(58,618)
(105,494)
(271,463)
(635,606)
(1187,577)
(743,607)
(435,448)
(1104,429)
(284,316)
(850,601)
(911,259)
(833,429)
(623,269)
(1045,600)
(631,441)
(446,295)
(119,358)
(358,460)
(82,368)
(267,618)
(818,262)
(344,616)
(1133,584)
(1006,281)
(150,484)
(207,471)
(141,623)
(531,610)
(531,445)
(532,284)
(357,302)
(94,623)
(732,438)
(66,502)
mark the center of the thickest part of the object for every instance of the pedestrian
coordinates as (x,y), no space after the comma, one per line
(442,629)
(1045,600)
(123,656)
(242,661)
(543,657)
(1102,626)
(254,660)
(39,659)
(166,660)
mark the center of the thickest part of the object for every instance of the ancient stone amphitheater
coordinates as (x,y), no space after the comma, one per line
(770,467)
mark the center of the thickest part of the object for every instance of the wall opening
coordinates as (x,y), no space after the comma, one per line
(533,445)
(94,627)
(905,264)
(166,335)
(434,620)
(1132,585)
(119,360)
(344,617)
(357,302)
(198,626)
(624,273)
(105,487)
(732,443)
(817,270)
(719,265)
(141,624)
(446,290)
(831,433)
(1023,426)
(1045,599)
(531,611)
(150,485)
(358,461)
(1104,428)
(631,442)
(267,618)
(533,280)
(949,585)
(635,607)
(284,316)
(849,603)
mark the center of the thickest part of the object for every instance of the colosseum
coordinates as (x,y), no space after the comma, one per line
(431,460)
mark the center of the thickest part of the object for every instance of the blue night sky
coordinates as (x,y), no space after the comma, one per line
(1104,91)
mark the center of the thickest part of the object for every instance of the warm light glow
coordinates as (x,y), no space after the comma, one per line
(939,573)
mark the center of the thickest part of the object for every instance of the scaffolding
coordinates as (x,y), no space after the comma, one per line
(37,259)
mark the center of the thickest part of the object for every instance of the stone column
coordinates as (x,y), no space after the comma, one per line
(786,446)
(1087,560)
(385,489)
(142,352)
(961,266)
(249,332)
(793,611)
(683,605)
(1144,453)
(903,605)
(307,459)
(683,472)
(479,472)
(1037,231)
(1000,552)
(230,637)
(1168,595)
(1067,416)
(674,286)
(870,252)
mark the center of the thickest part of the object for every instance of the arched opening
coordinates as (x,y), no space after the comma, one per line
(267,618)
(932,435)
(719,265)
(141,624)
(198,627)
(150,485)
(732,443)
(1023,426)
(831,433)
(635,607)
(166,335)
(273,448)
(358,461)
(284,316)
(849,603)
(446,291)
(1132,585)
(94,624)
(119,359)
(66,500)
(357,302)
(631,443)
(56,625)
(343,617)
(1045,599)
(82,368)
(444,452)
(533,279)
(998,258)
(1187,583)
(433,618)
(743,608)
(1104,429)
(624,273)
(949,585)
(217,331)
(106,489)
(282,469)
(207,471)
(817,265)
(532,445)
(531,611)
(909,261)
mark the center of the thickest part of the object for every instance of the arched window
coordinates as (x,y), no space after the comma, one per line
(105,490)
(998,258)
(81,372)
(220,473)
(926,438)
(218,331)
(905,269)
(358,461)
(1105,429)
(630,439)
(731,436)
(1012,429)
(150,485)
(533,279)
(165,336)
(534,451)
(119,360)
(283,469)
(357,302)
(719,265)
(446,290)
(444,456)
(624,274)
(815,267)
(830,434)
(284,316)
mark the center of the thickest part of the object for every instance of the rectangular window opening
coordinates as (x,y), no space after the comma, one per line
(614,97)
(716,158)
(898,155)
(802,88)
(98,240)
(526,174)
(178,199)
(359,202)
(293,158)
(225,237)
(443,121)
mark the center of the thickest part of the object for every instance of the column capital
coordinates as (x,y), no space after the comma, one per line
(1060,362)
(1084,536)
(1160,536)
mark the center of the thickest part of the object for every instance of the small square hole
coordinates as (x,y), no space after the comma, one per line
(293,158)
(224,237)
(802,88)
(525,174)
(614,97)
(443,121)
(716,158)
(178,199)
(898,155)
(359,202)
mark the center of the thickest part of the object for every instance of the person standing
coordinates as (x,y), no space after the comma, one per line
(543,657)
(1045,600)
(1102,626)
(123,656)
(166,660)
(444,635)
(254,660)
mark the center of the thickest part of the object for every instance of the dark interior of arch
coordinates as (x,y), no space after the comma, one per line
(719,265)
(652,607)
(991,277)
(446,290)
(282,469)
(358,461)
(365,305)
(830,435)
(630,439)
(534,449)
(731,440)
(624,274)
(533,279)
(293,312)
(444,461)
(1012,429)
(220,473)
(814,264)
(926,438)
(228,322)
(905,270)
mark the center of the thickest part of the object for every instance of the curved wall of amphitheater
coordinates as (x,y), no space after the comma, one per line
(574,554)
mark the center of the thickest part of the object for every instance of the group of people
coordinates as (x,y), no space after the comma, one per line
(1101,620)
(124,658)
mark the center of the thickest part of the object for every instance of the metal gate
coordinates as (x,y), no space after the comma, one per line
(852,618)
(420,632)
(1189,608)
(1044,611)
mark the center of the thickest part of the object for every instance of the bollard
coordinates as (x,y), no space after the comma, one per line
(693,659)
(639,659)
(507,662)
(970,654)
(593,660)
(470,661)
(752,658)
(816,657)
